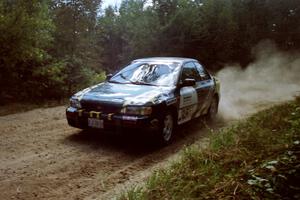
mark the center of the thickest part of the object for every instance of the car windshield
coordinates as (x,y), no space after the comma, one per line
(152,73)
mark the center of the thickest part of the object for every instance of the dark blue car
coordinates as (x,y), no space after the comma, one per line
(150,93)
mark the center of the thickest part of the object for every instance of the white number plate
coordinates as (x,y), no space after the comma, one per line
(95,123)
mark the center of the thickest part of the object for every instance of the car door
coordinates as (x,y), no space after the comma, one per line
(189,99)
(205,88)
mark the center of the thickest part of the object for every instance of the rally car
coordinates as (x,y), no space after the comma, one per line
(153,94)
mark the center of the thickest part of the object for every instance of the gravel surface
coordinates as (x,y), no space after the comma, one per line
(41,157)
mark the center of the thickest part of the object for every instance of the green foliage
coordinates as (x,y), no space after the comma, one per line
(76,43)
(48,81)
(26,30)
(48,49)
(214,31)
(56,47)
(257,158)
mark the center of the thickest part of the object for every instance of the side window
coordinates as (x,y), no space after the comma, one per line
(189,71)
(202,72)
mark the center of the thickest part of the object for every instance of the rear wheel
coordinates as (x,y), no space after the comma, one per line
(167,128)
(213,109)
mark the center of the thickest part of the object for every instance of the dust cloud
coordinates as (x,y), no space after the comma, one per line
(273,77)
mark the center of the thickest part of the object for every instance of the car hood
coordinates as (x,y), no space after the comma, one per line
(125,94)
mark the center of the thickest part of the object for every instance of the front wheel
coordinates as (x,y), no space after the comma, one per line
(167,128)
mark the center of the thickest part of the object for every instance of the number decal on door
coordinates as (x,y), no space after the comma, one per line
(188,104)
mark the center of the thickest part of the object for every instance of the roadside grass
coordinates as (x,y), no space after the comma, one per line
(256,158)
(13,108)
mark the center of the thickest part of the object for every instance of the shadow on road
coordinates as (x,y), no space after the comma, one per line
(132,142)
(138,143)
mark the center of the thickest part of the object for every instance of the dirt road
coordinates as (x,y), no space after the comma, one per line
(41,157)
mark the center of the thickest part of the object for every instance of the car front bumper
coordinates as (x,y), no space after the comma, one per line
(79,118)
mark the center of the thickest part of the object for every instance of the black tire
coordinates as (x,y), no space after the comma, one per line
(213,109)
(166,128)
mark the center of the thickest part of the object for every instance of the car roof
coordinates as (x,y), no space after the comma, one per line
(165,59)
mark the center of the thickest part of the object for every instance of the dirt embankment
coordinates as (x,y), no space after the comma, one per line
(41,157)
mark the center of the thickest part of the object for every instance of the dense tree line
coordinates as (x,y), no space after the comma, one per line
(50,48)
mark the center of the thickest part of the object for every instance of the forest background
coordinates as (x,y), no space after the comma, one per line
(52,48)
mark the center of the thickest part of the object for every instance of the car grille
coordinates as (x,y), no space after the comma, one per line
(106,107)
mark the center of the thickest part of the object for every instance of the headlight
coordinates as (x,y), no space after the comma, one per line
(130,110)
(75,103)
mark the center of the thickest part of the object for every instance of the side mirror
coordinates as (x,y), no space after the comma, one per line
(108,76)
(188,82)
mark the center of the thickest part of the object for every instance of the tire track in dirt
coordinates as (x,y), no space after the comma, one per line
(41,157)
